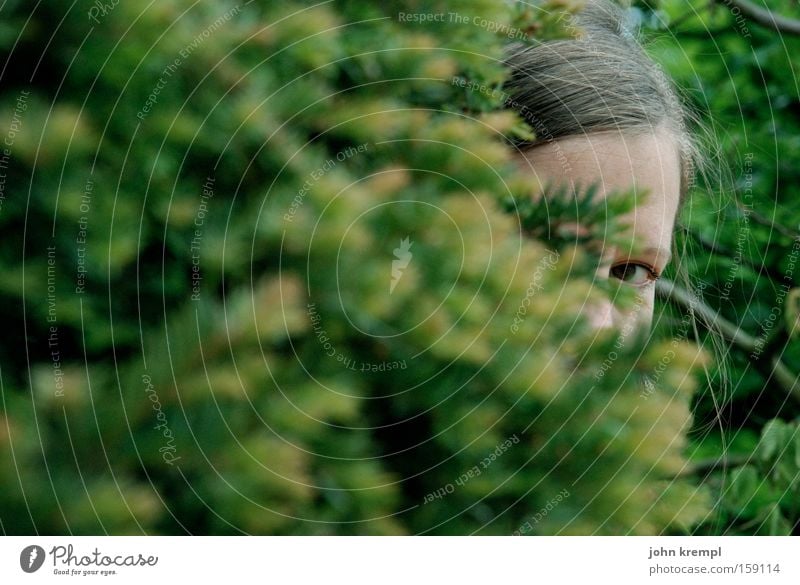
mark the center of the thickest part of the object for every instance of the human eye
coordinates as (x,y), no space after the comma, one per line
(634,273)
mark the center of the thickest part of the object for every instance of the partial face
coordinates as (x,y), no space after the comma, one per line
(618,162)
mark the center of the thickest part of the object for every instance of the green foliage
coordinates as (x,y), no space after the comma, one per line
(233,360)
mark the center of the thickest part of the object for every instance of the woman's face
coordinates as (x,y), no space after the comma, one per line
(618,162)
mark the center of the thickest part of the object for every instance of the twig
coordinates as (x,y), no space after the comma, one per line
(764,17)
(715,248)
(765,221)
(682,297)
(706,466)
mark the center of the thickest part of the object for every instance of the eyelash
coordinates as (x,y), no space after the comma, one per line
(653,275)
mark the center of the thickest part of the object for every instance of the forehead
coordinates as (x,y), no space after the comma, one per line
(617,161)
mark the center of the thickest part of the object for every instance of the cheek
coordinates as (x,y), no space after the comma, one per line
(639,317)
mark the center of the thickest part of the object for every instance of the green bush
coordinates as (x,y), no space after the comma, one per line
(744,248)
